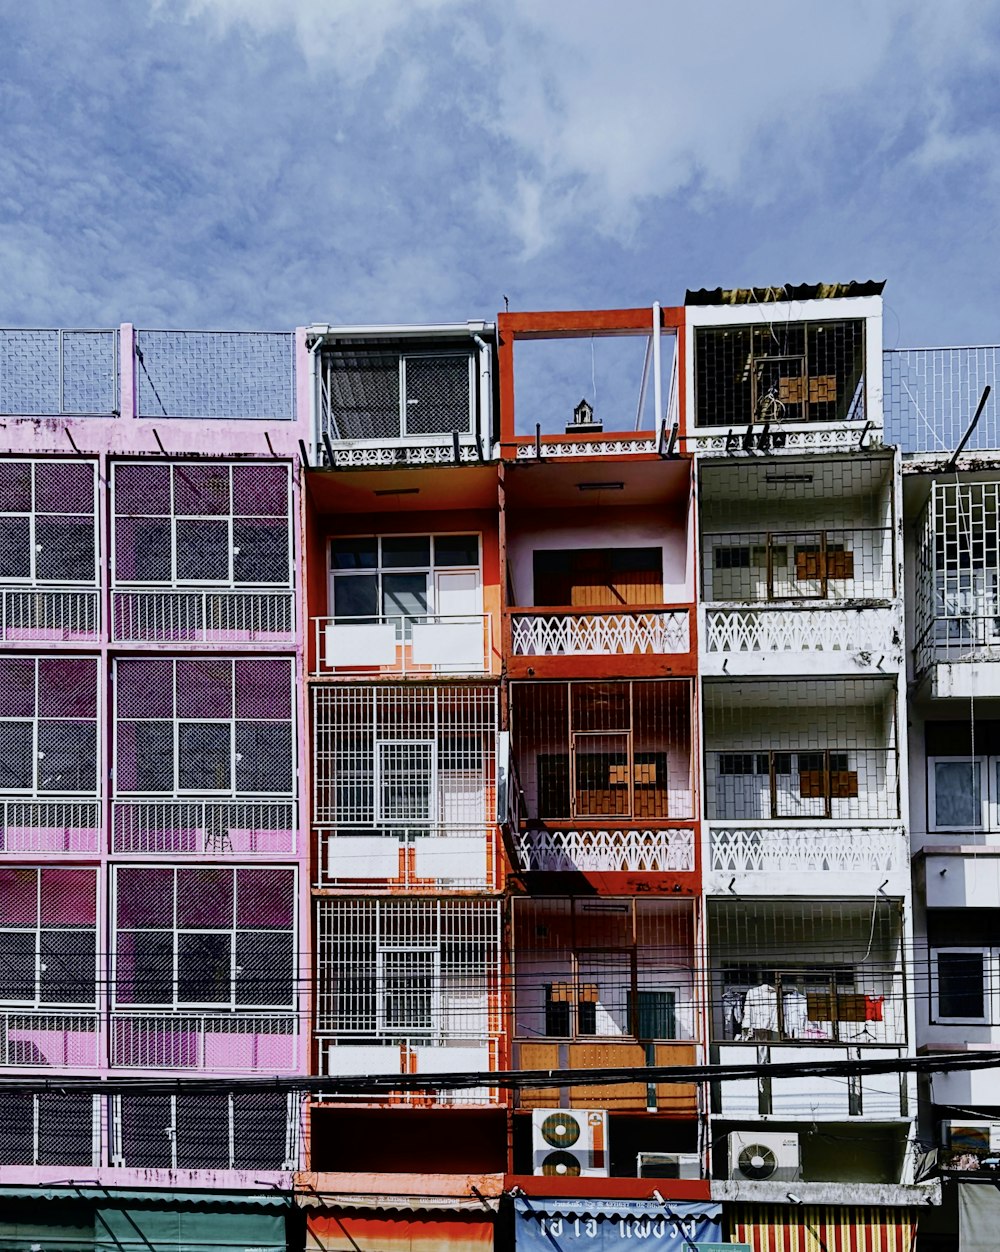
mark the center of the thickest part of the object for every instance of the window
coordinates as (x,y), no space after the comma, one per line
(52,1128)
(598,577)
(398,969)
(766,785)
(401,577)
(963,982)
(204,726)
(48,522)
(48,937)
(223,1131)
(202,523)
(205,938)
(382,394)
(48,725)
(956,796)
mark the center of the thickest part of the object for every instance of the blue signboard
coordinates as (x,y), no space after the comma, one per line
(585,1225)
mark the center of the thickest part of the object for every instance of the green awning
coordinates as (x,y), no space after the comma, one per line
(187,1229)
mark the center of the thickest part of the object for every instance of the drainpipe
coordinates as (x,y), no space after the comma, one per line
(313,384)
(485,390)
(657,372)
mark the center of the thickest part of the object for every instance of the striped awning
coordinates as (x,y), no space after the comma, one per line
(821,1228)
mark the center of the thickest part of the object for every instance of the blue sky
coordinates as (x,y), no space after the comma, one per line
(264,163)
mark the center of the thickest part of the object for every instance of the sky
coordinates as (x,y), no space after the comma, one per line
(269,163)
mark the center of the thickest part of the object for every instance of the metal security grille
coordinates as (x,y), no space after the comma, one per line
(52,1128)
(958,573)
(215,374)
(227,1130)
(48,726)
(381,394)
(205,938)
(930,395)
(204,726)
(398,969)
(815,971)
(597,751)
(53,372)
(202,523)
(789,749)
(48,522)
(604,968)
(780,372)
(392,759)
(48,937)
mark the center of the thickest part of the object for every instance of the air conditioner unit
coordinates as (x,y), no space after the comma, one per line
(970,1136)
(758,1157)
(570,1142)
(668,1165)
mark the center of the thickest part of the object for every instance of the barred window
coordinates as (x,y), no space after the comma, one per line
(221,938)
(227,1130)
(48,937)
(48,522)
(204,726)
(51,1128)
(202,523)
(48,725)
(382,394)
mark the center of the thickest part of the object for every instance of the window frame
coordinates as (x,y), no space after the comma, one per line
(37,930)
(120,1159)
(33,514)
(175,931)
(230,518)
(36,791)
(990,985)
(988,801)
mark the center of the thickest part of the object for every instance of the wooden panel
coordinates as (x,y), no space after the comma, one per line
(539,1056)
(678,1099)
(618,1096)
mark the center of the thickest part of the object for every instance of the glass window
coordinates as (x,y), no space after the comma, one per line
(354,553)
(356,597)
(961,985)
(406,552)
(957,795)
(456,550)
(204,968)
(404,595)
(204,760)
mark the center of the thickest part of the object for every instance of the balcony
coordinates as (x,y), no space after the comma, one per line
(439,858)
(417,1055)
(679,1100)
(823,596)
(549,639)
(203,827)
(838,859)
(404,645)
(153,615)
(542,849)
(49,614)
(71,827)
(876,1097)
(226,1043)
(50,1040)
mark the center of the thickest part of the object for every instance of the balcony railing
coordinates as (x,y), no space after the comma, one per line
(259,1042)
(49,1040)
(426,643)
(48,373)
(204,827)
(813,628)
(412,1056)
(452,857)
(50,826)
(835,784)
(740,849)
(875,1096)
(49,614)
(154,616)
(599,632)
(610,851)
(801,565)
(931,393)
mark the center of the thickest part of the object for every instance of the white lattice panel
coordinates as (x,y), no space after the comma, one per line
(765,850)
(600,634)
(799,630)
(606,850)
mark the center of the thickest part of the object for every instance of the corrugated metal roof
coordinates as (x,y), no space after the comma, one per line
(785,291)
(120,1197)
(397,1203)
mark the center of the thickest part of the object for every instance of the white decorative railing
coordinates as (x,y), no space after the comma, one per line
(599,633)
(258,1042)
(453,857)
(204,827)
(804,628)
(801,439)
(50,826)
(606,445)
(153,616)
(396,643)
(653,851)
(48,614)
(49,1040)
(765,850)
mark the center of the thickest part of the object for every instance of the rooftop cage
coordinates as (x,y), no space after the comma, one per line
(420,396)
(55,373)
